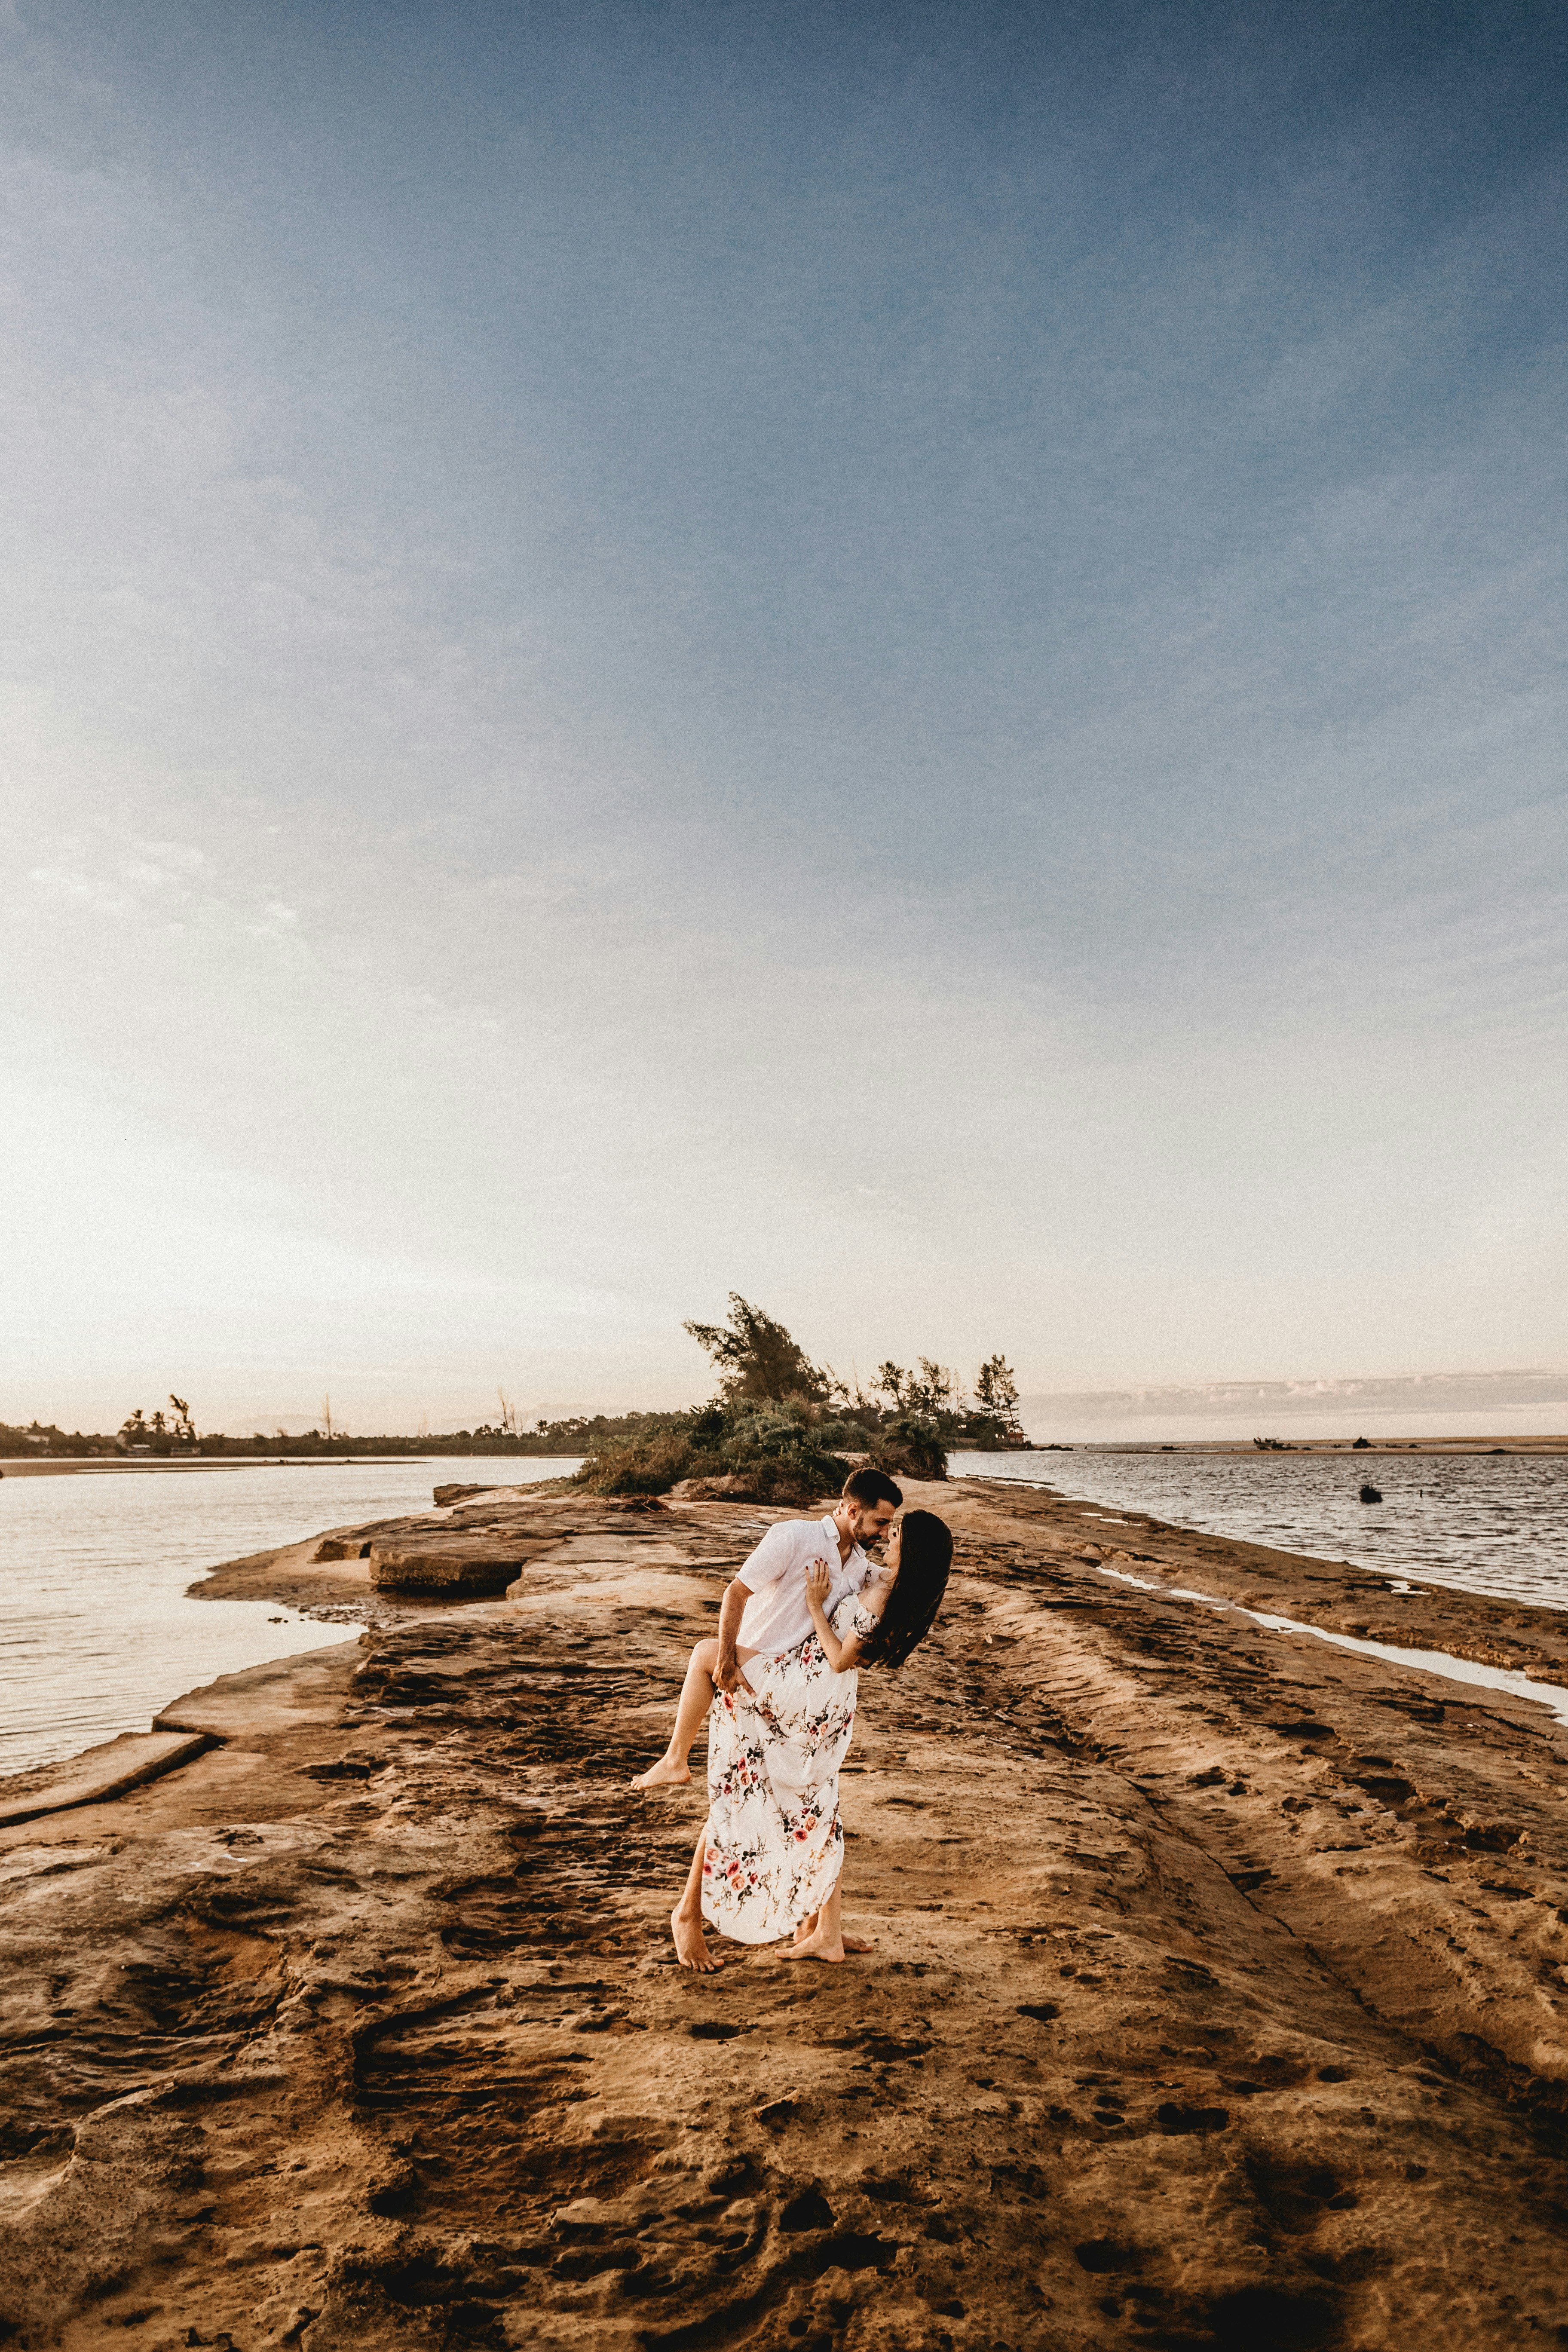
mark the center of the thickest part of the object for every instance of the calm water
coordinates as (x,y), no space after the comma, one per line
(95,1634)
(1488,1523)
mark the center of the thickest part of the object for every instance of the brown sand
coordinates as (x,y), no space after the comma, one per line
(1218,1998)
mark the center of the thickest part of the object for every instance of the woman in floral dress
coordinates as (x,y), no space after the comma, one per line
(775,1844)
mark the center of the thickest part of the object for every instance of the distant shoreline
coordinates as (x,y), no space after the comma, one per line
(1246,1449)
(56,1465)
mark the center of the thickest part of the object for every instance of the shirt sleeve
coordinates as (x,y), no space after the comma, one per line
(771,1558)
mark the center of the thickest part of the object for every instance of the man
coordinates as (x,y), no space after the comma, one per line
(766,1607)
(765,1611)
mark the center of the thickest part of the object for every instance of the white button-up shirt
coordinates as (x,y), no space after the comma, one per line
(777,1615)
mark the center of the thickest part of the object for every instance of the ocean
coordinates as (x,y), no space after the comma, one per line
(1494,1523)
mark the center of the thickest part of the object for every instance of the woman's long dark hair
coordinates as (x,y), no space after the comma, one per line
(925,1556)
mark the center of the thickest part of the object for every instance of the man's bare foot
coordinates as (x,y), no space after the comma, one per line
(690,1949)
(815,1947)
(666,1774)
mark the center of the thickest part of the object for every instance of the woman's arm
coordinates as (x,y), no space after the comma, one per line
(841,1655)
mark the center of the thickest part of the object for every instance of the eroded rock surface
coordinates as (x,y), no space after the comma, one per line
(1218,1996)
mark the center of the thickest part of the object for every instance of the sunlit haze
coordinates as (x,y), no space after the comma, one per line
(907,660)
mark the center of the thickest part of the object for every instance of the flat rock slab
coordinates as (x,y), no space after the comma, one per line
(283,1695)
(455,1565)
(107,1771)
(355,1543)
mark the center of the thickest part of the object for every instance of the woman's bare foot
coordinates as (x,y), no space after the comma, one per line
(808,1928)
(666,1774)
(816,1946)
(690,1949)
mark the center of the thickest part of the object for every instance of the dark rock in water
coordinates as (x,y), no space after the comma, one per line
(1362,1445)
(1370,1493)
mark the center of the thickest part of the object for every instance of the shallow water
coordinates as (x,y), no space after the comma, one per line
(1485,1523)
(1552,1696)
(96,1634)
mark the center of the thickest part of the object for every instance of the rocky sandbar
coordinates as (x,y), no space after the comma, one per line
(1218,1998)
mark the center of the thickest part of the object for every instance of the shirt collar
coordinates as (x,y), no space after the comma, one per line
(830,1530)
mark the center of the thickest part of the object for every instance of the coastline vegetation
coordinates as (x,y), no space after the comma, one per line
(784,1429)
(155,1435)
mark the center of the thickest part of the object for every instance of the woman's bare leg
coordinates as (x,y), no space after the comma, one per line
(672,1771)
(686,1919)
(825,1941)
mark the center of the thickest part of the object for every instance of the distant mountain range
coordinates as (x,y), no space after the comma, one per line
(1419,1391)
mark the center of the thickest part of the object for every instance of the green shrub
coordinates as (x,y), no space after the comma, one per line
(776,1451)
(650,1465)
(908,1449)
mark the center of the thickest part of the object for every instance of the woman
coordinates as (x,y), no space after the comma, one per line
(770,1856)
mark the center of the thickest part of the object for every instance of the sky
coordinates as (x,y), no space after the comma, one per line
(903,659)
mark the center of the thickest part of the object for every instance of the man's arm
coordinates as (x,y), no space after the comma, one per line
(727,1673)
(761,1568)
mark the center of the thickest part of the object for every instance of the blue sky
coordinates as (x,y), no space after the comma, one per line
(909,660)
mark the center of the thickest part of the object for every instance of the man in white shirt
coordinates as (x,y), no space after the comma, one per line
(764,1609)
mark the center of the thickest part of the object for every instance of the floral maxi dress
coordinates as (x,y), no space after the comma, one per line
(775,1843)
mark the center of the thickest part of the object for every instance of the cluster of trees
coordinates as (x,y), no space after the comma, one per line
(176,1432)
(756,1358)
(165,1433)
(784,1429)
(30,1440)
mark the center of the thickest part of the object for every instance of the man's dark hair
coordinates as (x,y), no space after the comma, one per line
(868,1486)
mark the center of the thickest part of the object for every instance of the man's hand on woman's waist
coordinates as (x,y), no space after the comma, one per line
(727,1673)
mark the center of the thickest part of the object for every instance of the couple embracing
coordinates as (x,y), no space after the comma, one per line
(806,1612)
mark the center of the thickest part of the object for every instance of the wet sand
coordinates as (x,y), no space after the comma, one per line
(1218,1997)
